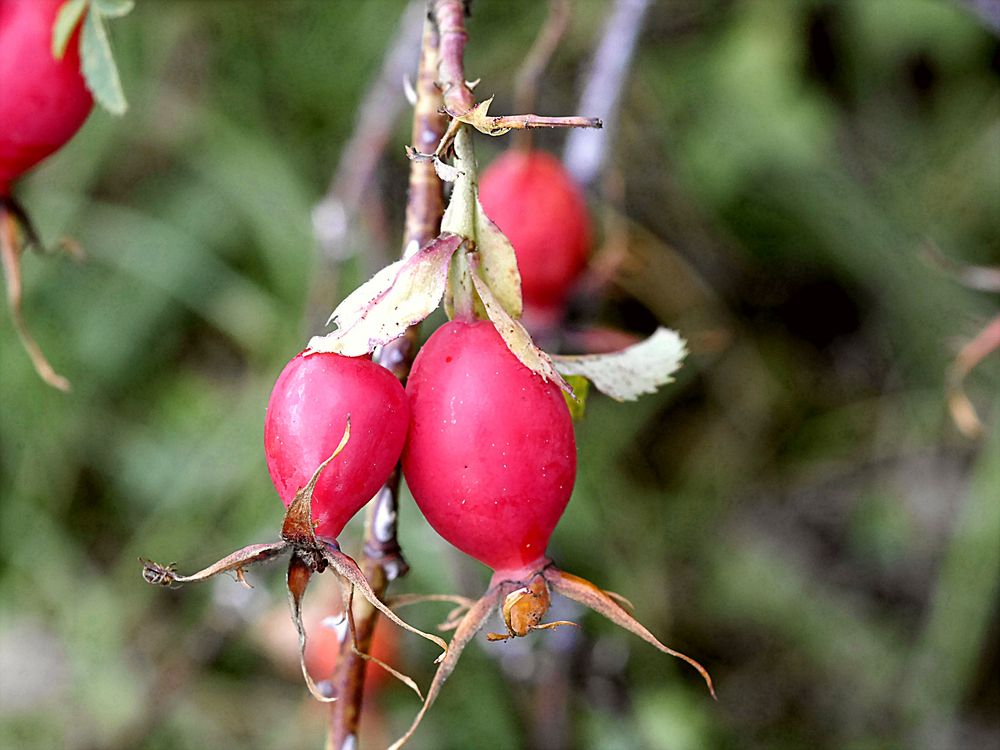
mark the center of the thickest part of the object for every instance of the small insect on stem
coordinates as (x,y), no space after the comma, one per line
(158,575)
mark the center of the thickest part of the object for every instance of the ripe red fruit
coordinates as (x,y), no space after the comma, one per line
(43,101)
(491,461)
(305,421)
(491,457)
(534,201)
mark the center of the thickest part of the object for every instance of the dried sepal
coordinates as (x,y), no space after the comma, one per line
(471,624)
(963,413)
(11,250)
(479,118)
(524,608)
(514,334)
(299,573)
(347,569)
(584,592)
(236,563)
(451,620)
(627,374)
(443,169)
(398,296)
(347,592)
(298,528)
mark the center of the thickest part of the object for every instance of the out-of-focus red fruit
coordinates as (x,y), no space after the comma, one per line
(43,101)
(281,643)
(491,457)
(305,421)
(534,201)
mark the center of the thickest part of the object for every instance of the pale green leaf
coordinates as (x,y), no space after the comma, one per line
(114,8)
(638,369)
(460,215)
(67,18)
(514,334)
(397,297)
(99,65)
(498,263)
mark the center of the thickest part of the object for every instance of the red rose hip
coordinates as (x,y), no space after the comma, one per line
(305,421)
(43,101)
(534,201)
(491,457)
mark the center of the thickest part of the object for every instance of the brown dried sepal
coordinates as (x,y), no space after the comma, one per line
(584,592)
(13,223)
(310,554)
(470,624)
(524,609)
(523,604)
(972,353)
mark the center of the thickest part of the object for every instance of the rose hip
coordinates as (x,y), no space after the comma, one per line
(305,420)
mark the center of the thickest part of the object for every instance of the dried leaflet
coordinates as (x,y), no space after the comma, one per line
(638,369)
(395,298)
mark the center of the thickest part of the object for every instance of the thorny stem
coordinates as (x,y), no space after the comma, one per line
(381,560)
(543,122)
(449,15)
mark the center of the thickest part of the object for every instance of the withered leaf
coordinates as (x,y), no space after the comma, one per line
(398,296)
(627,374)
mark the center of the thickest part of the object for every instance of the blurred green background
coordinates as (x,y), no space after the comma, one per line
(798,512)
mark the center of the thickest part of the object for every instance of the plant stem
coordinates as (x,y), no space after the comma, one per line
(449,16)
(381,559)
(461,288)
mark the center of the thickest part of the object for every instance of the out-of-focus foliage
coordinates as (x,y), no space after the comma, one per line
(797,512)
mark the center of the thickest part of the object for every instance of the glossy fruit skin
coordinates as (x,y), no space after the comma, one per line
(305,421)
(534,201)
(491,457)
(43,101)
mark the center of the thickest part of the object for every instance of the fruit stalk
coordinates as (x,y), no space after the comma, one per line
(382,560)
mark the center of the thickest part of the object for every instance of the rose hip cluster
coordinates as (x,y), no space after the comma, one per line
(487,450)
(482,430)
